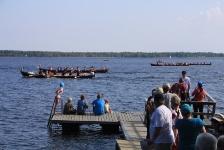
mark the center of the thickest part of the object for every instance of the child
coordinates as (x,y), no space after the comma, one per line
(107,107)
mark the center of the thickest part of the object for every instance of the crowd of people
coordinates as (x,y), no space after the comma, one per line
(170,124)
(99,105)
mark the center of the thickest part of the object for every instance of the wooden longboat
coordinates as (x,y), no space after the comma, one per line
(74,76)
(179,64)
(95,70)
(170,64)
(28,74)
(201,63)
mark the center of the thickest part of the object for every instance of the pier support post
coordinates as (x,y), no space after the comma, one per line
(70,128)
(110,128)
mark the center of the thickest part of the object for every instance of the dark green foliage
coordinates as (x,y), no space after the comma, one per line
(12,53)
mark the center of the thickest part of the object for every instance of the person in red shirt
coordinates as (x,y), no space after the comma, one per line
(199,95)
(182,89)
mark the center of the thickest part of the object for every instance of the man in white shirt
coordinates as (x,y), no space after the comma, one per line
(187,81)
(167,95)
(161,132)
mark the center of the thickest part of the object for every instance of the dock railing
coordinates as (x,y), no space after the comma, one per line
(209,104)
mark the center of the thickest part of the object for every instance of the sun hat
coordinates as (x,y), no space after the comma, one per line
(185,109)
(157,90)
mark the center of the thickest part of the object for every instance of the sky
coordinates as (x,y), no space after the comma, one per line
(112,25)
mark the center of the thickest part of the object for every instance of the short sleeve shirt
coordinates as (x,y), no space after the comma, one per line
(187,80)
(98,106)
(162,117)
(188,130)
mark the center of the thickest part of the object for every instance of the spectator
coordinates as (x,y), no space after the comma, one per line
(220,144)
(175,108)
(98,105)
(149,108)
(68,108)
(176,114)
(167,95)
(188,129)
(199,95)
(161,133)
(82,106)
(206,141)
(187,81)
(182,90)
(175,88)
(107,107)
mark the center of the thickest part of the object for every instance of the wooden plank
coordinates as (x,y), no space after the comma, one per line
(134,130)
(112,118)
(128,145)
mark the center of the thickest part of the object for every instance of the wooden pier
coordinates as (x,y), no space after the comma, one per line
(131,124)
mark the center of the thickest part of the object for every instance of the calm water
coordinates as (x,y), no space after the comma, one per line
(26,103)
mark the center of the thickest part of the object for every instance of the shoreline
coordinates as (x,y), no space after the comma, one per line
(20,53)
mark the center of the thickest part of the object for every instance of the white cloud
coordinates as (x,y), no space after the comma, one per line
(216,13)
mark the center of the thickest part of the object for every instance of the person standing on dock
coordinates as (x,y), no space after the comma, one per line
(167,95)
(98,105)
(188,129)
(182,92)
(199,95)
(57,98)
(161,132)
(187,80)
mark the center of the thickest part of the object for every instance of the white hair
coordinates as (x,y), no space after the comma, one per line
(206,141)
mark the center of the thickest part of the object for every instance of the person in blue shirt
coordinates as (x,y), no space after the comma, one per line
(98,105)
(82,106)
(188,129)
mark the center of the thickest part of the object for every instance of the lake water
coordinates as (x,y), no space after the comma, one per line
(26,103)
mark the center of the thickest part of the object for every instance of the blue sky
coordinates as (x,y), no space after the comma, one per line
(115,25)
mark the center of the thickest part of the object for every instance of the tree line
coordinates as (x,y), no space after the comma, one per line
(17,53)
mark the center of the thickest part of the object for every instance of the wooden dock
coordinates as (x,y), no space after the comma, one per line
(131,124)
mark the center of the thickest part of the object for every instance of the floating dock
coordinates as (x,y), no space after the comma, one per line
(131,124)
